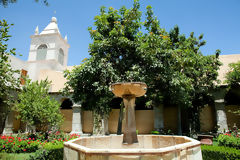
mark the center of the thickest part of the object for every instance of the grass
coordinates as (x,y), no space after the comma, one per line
(15,156)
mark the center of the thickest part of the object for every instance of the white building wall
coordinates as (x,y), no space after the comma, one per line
(17,64)
(34,68)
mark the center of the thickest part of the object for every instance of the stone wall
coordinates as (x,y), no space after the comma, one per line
(67,124)
(207,119)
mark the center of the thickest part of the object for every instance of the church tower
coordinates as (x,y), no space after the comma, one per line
(48,50)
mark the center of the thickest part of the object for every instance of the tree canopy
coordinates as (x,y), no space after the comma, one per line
(126,49)
(233,76)
(9,83)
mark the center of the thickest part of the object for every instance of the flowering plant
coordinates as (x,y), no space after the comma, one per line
(10,144)
(229,140)
(26,143)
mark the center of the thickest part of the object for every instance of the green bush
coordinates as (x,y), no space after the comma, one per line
(228,140)
(50,151)
(219,153)
(54,151)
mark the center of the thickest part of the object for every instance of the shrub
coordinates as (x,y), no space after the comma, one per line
(41,154)
(229,140)
(50,151)
(36,107)
(219,153)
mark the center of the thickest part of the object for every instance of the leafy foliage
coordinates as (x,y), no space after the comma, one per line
(36,107)
(233,77)
(229,140)
(8,82)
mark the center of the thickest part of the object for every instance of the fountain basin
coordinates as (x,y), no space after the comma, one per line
(137,89)
(149,147)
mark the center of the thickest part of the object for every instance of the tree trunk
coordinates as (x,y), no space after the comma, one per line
(100,126)
(119,130)
(3,115)
(179,121)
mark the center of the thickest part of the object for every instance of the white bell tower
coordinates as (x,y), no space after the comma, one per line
(48,50)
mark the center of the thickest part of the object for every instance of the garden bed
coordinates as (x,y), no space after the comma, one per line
(34,146)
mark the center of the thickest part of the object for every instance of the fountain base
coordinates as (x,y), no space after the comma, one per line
(150,147)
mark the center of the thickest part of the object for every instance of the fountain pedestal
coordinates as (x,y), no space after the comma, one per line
(130,135)
(129,91)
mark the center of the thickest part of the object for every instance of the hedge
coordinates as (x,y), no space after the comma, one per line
(220,153)
(49,152)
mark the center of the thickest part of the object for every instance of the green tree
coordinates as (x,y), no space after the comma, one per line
(8,81)
(5,3)
(170,63)
(36,108)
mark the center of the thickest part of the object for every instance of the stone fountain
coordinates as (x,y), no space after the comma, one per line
(129,92)
(130,146)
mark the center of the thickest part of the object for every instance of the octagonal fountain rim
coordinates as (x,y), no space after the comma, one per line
(133,151)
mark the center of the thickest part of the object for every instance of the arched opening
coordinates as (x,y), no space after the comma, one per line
(66,104)
(42,52)
(61,56)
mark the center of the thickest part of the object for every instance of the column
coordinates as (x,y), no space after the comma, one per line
(130,135)
(8,128)
(219,103)
(221,115)
(158,117)
(76,119)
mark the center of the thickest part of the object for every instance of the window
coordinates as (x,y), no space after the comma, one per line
(23,75)
(42,52)
(60,56)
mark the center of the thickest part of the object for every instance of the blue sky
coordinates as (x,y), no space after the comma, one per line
(218,20)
